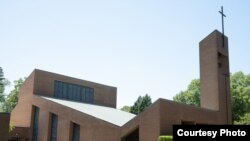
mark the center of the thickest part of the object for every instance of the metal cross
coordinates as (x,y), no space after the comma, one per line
(222,17)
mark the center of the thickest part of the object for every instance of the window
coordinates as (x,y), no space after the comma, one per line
(53,127)
(73,92)
(83,94)
(76,132)
(35,123)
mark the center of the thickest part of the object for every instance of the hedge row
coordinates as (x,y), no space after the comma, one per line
(165,138)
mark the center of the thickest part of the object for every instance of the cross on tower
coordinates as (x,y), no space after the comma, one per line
(222,17)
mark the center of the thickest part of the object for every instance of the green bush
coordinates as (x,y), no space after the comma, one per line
(165,138)
(11,127)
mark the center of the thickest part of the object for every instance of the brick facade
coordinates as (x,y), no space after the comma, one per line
(156,120)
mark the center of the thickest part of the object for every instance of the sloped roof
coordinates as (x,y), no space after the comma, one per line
(111,115)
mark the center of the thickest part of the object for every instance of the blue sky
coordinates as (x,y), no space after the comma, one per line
(138,46)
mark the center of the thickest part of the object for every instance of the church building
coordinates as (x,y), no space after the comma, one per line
(54,107)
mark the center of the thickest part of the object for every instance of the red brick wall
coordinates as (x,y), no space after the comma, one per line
(159,118)
(148,123)
(174,113)
(21,114)
(214,75)
(41,82)
(44,85)
(90,128)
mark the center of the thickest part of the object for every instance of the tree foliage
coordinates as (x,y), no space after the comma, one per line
(191,96)
(165,138)
(141,104)
(244,119)
(240,91)
(11,127)
(240,95)
(12,98)
(2,99)
(126,108)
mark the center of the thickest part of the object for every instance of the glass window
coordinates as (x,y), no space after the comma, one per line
(53,128)
(55,89)
(87,95)
(70,91)
(35,124)
(78,94)
(91,97)
(59,89)
(65,90)
(83,94)
(73,92)
(76,132)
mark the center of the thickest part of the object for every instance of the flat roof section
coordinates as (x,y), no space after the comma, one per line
(111,115)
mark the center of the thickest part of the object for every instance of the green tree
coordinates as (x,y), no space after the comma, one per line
(191,96)
(12,98)
(3,83)
(126,108)
(244,119)
(141,104)
(240,95)
(240,91)
(2,99)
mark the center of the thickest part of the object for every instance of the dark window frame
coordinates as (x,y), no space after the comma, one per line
(76,129)
(53,127)
(35,123)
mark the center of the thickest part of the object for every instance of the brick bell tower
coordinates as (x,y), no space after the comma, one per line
(215,76)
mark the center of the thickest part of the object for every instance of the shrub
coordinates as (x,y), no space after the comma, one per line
(11,127)
(165,138)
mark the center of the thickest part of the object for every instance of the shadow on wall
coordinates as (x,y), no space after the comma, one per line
(4,127)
